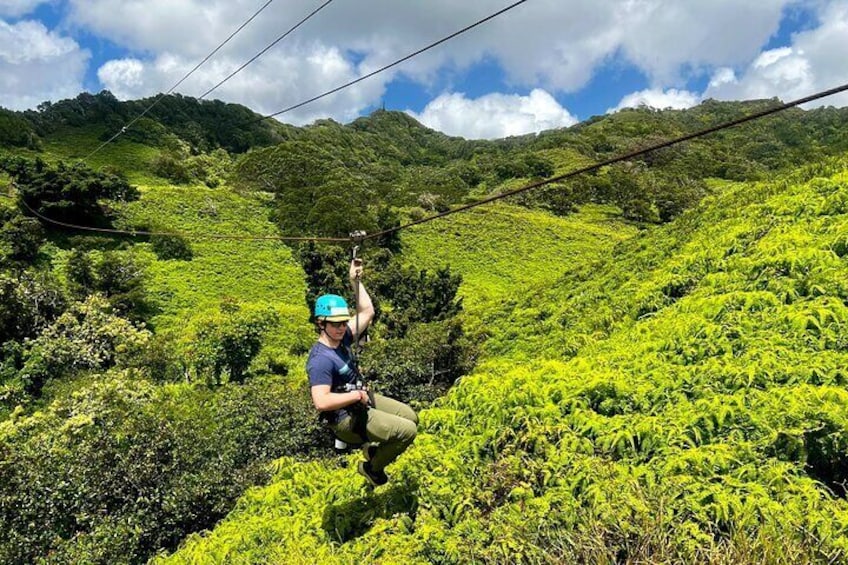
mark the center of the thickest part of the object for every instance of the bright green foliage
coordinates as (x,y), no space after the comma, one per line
(680,400)
(178,165)
(676,397)
(16,131)
(257,275)
(505,251)
(260,272)
(115,471)
(88,336)
(29,301)
(171,247)
(225,343)
(113,274)
(417,296)
(422,364)
(20,239)
(134,160)
(204,124)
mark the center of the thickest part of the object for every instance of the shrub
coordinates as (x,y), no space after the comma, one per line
(28,303)
(88,336)
(67,193)
(79,271)
(123,469)
(423,364)
(171,247)
(120,280)
(21,239)
(225,342)
(15,131)
(418,296)
(173,167)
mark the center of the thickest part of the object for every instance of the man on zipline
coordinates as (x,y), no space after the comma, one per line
(385,427)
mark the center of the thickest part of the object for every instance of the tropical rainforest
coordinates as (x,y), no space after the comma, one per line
(645,363)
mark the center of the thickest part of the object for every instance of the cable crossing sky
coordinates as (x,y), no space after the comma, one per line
(191,72)
(394,64)
(770,111)
(269,46)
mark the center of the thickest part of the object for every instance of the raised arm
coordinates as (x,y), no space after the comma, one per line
(364,307)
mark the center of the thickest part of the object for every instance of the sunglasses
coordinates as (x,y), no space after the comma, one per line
(336,324)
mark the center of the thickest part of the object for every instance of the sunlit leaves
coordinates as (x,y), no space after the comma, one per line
(682,400)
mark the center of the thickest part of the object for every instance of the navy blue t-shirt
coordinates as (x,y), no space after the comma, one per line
(328,366)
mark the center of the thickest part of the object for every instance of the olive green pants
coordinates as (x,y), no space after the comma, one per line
(392,425)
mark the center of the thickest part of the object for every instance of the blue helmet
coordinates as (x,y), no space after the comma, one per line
(331,308)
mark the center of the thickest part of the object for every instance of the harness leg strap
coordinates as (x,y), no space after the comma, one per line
(360,424)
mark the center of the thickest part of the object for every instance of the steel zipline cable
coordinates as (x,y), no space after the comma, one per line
(144,233)
(269,46)
(360,238)
(313,99)
(390,65)
(613,160)
(496,197)
(179,82)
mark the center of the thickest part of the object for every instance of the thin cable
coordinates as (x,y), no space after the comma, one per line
(179,82)
(238,70)
(620,158)
(183,235)
(390,65)
(590,168)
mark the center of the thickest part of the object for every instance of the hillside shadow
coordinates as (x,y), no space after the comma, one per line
(349,520)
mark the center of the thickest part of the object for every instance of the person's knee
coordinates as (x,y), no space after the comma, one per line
(408,432)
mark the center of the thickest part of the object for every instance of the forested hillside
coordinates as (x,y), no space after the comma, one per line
(680,400)
(642,364)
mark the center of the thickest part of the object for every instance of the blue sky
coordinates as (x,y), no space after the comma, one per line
(545,64)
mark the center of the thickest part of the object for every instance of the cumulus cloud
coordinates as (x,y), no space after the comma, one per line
(814,61)
(494,115)
(37,65)
(778,72)
(18,8)
(660,99)
(122,77)
(665,37)
(273,83)
(540,44)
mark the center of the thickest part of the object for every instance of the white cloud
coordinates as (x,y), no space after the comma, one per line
(37,65)
(664,37)
(274,82)
(544,43)
(494,115)
(721,77)
(660,99)
(18,8)
(122,77)
(541,44)
(814,61)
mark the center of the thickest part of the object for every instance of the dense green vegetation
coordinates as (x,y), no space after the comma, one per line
(205,125)
(651,358)
(682,399)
